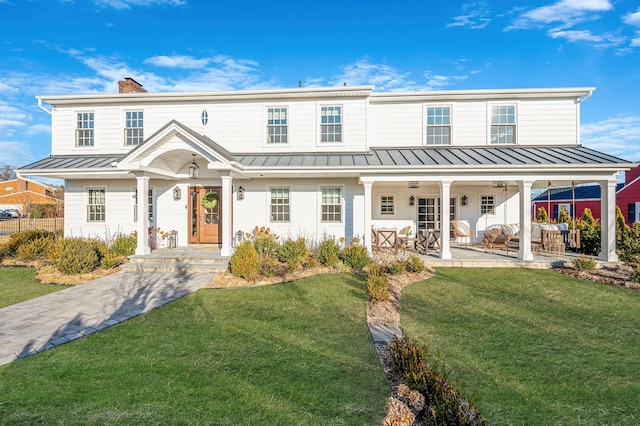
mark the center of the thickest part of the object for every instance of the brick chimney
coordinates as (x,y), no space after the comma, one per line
(129,85)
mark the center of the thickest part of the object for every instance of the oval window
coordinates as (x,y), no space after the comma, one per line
(204,118)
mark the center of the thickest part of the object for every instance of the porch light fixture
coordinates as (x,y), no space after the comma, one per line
(240,194)
(194,170)
(465,200)
(412,200)
(499,184)
(413,184)
(177,193)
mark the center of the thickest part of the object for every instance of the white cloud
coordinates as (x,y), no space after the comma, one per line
(128,4)
(632,18)
(177,61)
(565,12)
(474,15)
(383,77)
(436,82)
(617,136)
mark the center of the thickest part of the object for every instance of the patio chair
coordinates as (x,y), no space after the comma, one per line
(462,230)
(422,246)
(374,237)
(499,236)
(387,238)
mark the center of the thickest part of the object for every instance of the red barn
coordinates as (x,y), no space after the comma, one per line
(588,196)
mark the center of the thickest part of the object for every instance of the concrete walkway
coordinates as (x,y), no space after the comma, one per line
(57,318)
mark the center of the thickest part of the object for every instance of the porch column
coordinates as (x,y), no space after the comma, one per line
(524,252)
(608,221)
(227,200)
(366,236)
(142,184)
(445,242)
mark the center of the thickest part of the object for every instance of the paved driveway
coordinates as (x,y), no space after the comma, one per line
(57,318)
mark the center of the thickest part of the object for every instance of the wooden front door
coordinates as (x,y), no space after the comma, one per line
(204,220)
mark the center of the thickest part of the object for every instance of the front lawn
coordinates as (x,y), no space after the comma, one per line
(19,284)
(532,346)
(296,353)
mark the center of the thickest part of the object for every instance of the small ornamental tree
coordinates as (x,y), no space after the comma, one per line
(563,216)
(542,215)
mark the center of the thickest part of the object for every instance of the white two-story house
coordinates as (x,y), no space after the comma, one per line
(315,162)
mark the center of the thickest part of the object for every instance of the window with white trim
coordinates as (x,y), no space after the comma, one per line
(84,129)
(503,124)
(331,124)
(149,205)
(277,125)
(96,204)
(487,204)
(133,128)
(439,125)
(331,205)
(387,204)
(280,205)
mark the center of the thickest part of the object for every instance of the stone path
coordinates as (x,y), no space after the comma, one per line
(57,318)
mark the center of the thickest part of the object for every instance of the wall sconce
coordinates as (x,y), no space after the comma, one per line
(412,200)
(465,200)
(240,193)
(177,193)
(194,170)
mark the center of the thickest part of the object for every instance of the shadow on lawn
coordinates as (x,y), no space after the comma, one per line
(129,295)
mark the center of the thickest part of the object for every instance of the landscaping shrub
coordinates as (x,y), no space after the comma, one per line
(312,261)
(542,215)
(398,267)
(563,216)
(627,240)
(36,249)
(377,283)
(415,264)
(398,414)
(111,260)
(74,256)
(443,404)
(293,253)
(329,252)
(270,267)
(589,233)
(266,246)
(20,238)
(245,262)
(584,263)
(356,257)
(125,245)
(635,274)
(100,247)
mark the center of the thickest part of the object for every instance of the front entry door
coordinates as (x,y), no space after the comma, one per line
(205,221)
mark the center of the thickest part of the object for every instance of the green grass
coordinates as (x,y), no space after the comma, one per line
(296,353)
(532,346)
(19,284)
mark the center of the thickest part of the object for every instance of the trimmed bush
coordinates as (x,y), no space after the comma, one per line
(329,253)
(125,245)
(293,253)
(378,288)
(415,264)
(245,262)
(270,267)
(398,267)
(584,263)
(111,260)
(100,247)
(74,256)
(266,245)
(36,249)
(356,257)
(20,238)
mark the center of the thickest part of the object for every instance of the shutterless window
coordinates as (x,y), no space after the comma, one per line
(331,205)
(96,205)
(438,125)
(503,124)
(133,131)
(280,205)
(84,129)
(150,205)
(487,204)
(277,125)
(331,124)
(386,204)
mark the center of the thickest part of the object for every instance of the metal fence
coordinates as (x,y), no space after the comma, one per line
(11,226)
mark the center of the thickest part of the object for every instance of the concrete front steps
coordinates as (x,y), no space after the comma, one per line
(180,259)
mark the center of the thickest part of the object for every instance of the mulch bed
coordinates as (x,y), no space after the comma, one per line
(616,276)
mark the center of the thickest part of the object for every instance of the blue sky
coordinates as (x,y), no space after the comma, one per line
(54,47)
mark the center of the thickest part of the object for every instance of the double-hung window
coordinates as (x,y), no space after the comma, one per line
(487,204)
(439,125)
(503,124)
(84,129)
(280,205)
(331,205)
(331,124)
(96,205)
(133,129)
(277,125)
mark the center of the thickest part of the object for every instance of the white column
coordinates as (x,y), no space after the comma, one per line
(367,216)
(445,223)
(142,183)
(524,252)
(227,200)
(608,221)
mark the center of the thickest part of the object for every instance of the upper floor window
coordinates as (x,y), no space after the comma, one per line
(280,205)
(96,205)
(277,125)
(133,131)
(84,129)
(204,118)
(331,123)
(331,205)
(439,126)
(503,124)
